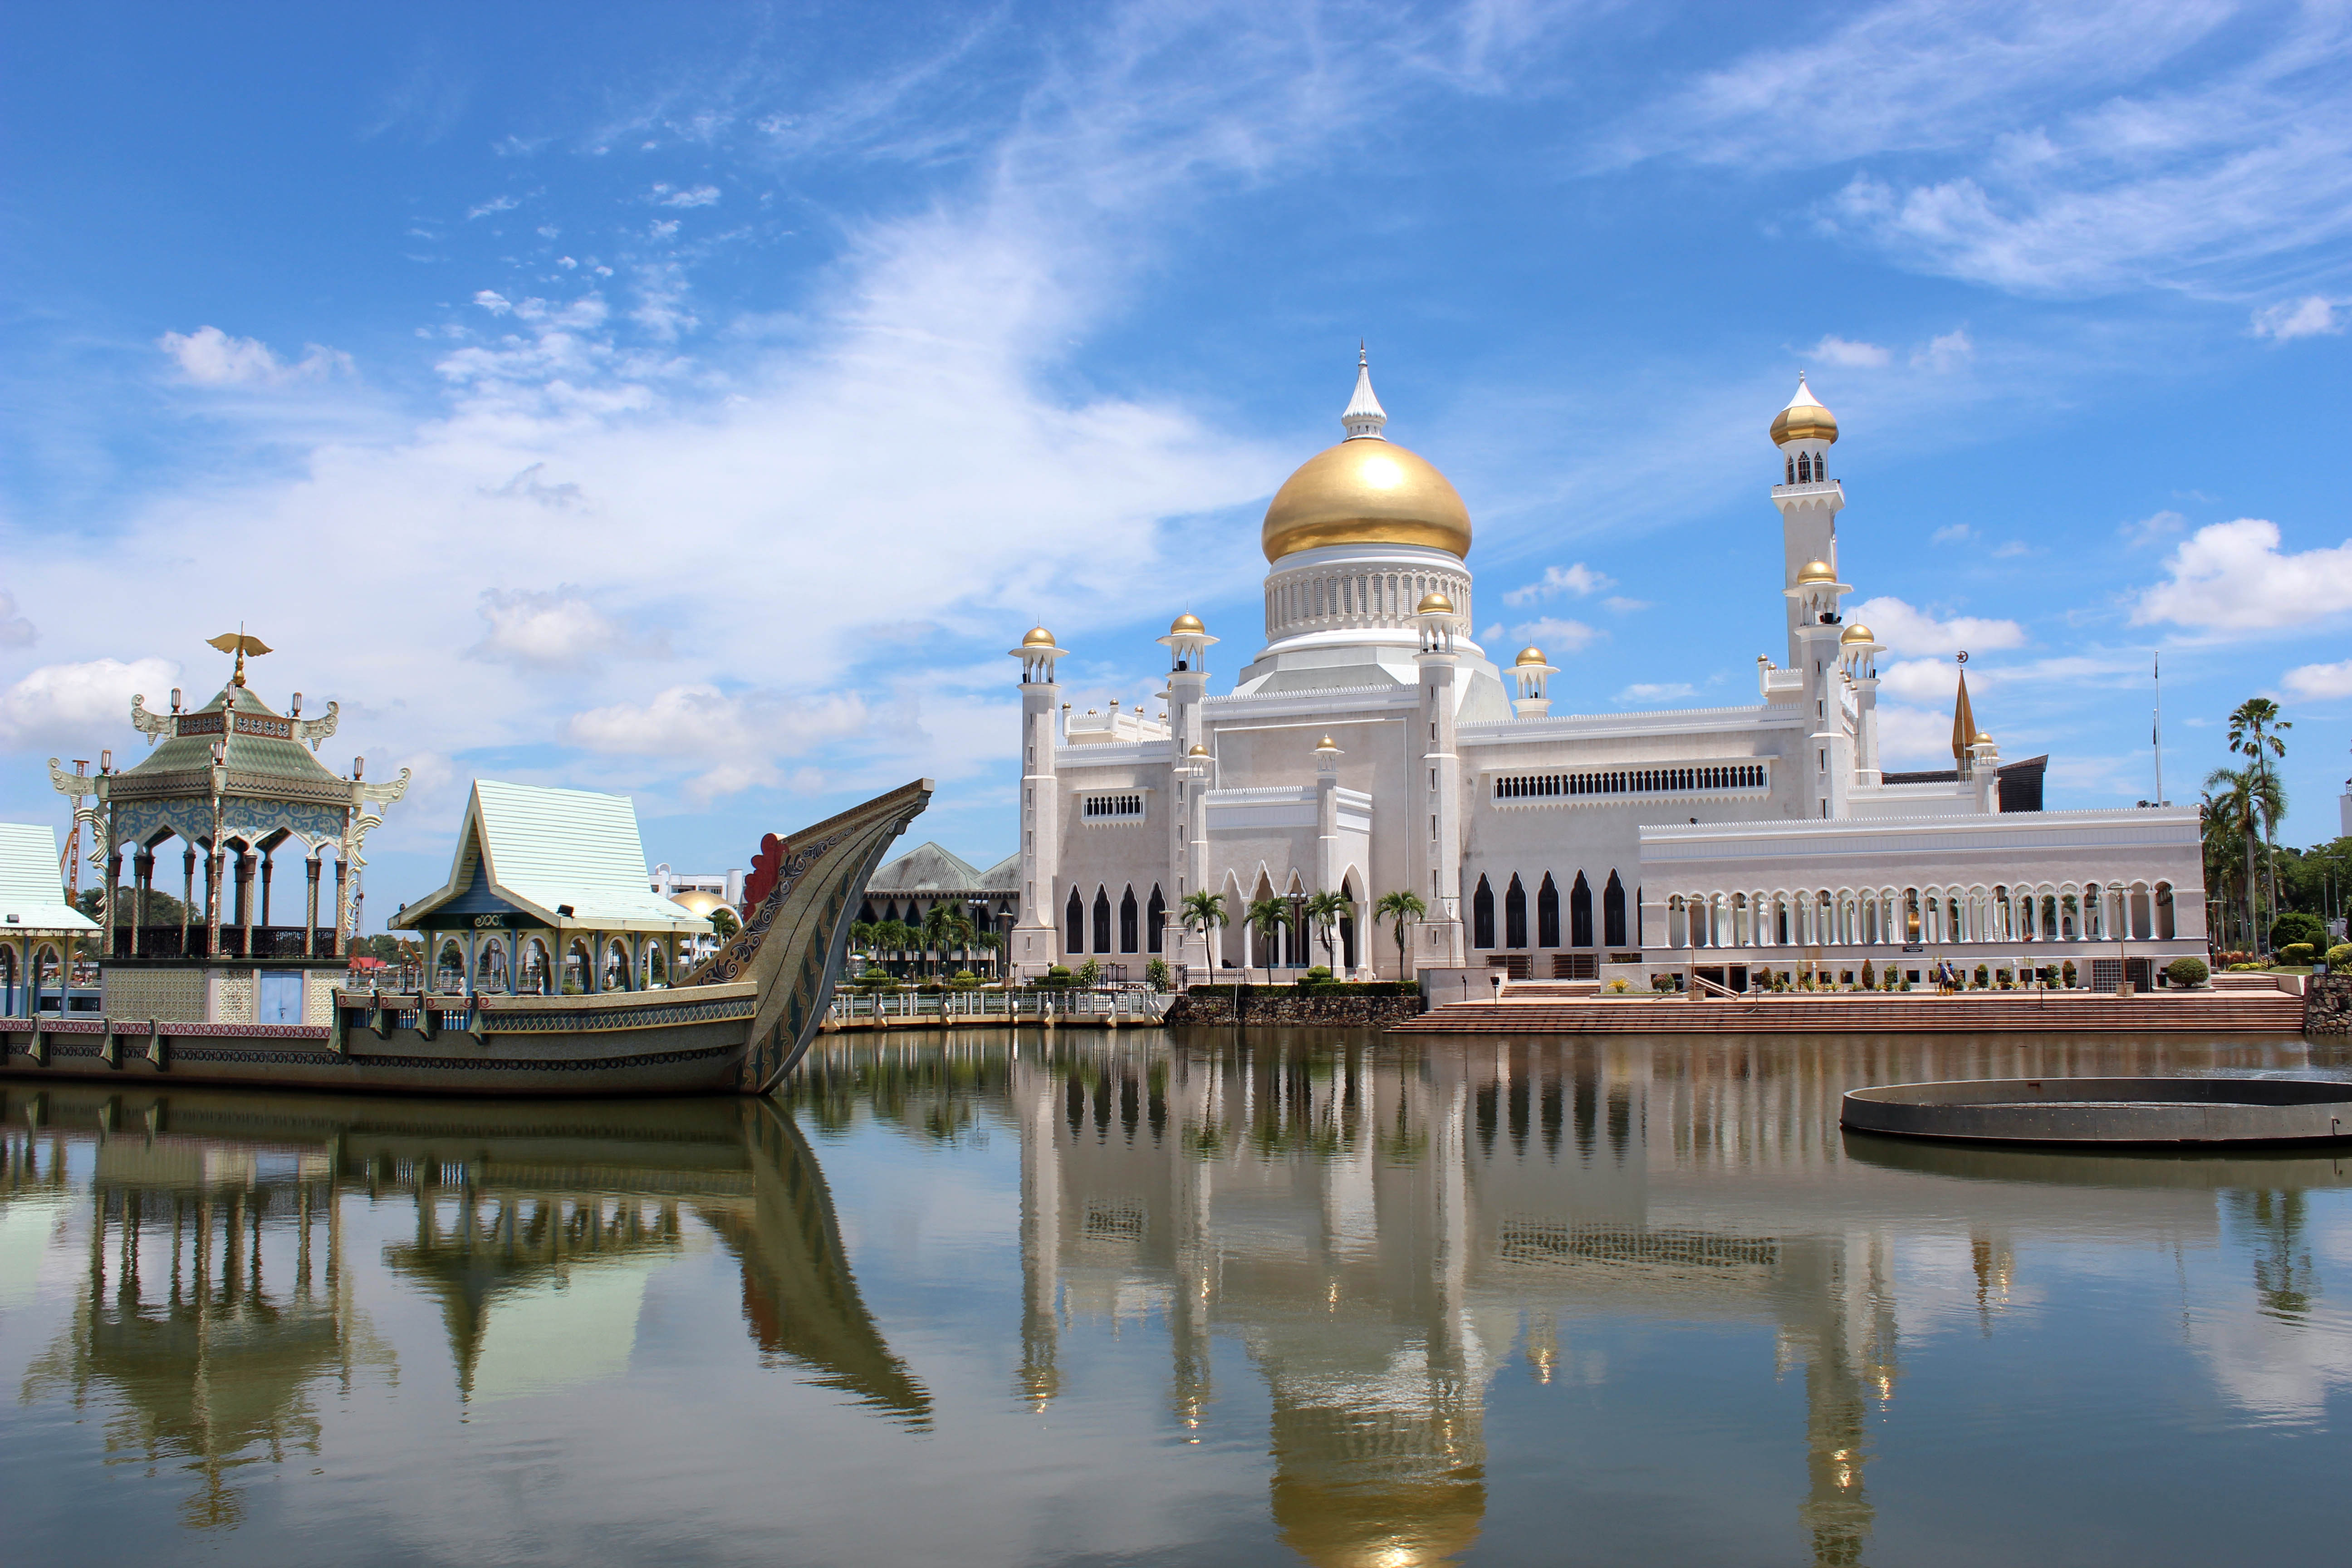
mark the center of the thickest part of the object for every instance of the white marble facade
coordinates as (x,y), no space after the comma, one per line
(1371,746)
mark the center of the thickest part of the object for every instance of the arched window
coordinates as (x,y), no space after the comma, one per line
(866,912)
(1347,929)
(1580,912)
(1792,470)
(1482,915)
(2164,912)
(1102,920)
(1155,920)
(1804,469)
(1548,913)
(1128,942)
(1515,914)
(1612,912)
(1074,920)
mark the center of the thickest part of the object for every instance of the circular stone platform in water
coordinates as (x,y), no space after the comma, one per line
(2108,1111)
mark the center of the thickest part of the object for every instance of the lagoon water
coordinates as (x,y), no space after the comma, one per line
(1145,1298)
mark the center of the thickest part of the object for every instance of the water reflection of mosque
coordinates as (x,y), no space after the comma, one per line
(217,1299)
(1383,1229)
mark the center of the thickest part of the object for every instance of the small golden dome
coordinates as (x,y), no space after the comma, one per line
(1856,633)
(1984,737)
(1816,571)
(1804,419)
(1434,604)
(700,903)
(1038,638)
(1530,656)
(1365,491)
(1184,624)
(1326,745)
(1200,750)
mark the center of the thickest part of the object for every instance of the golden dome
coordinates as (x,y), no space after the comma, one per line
(1816,571)
(699,903)
(1326,745)
(1856,633)
(1184,624)
(1530,656)
(1038,638)
(1200,750)
(1434,604)
(1365,491)
(1804,419)
(1984,737)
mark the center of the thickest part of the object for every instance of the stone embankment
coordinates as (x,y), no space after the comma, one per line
(2327,1005)
(1213,1004)
(2064,1012)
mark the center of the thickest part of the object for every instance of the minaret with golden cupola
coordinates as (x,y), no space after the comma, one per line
(1035,943)
(1188,643)
(1808,499)
(1438,781)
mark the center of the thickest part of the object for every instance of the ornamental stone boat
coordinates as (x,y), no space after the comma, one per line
(735,1023)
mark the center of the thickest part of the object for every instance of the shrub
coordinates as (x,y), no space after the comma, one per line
(1984,977)
(1316,975)
(2297,953)
(1156,976)
(2186,971)
(2294,928)
(2248,968)
(2066,974)
(1355,988)
(1869,976)
(1056,978)
(1618,988)
(2340,955)
(1090,973)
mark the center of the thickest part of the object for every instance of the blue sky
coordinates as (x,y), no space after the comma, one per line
(698,401)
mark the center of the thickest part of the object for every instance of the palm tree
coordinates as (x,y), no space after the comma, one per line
(945,927)
(1268,917)
(1204,911)
(2253,726)
(1324,913)
(988,942)
(2245,800)
(893,937)
(861,937)
(1400,908)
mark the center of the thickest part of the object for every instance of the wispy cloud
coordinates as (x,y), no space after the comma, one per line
(85,704)
(1838,350)
(693,197)
(2320,682)
(2314,315)
(1578,579)
(1557,636)
(556,630)
(1658,691)
(210,357)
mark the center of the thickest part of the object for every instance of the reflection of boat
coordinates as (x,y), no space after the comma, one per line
(2187,1170)
(537,1227)
(738,1023)
(2109,1113)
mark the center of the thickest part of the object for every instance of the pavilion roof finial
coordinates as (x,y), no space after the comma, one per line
(238,643)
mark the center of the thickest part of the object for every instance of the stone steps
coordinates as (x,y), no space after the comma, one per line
(2245,1013)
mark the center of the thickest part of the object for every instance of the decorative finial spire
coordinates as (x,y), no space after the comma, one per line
(1365,416)
(239,643)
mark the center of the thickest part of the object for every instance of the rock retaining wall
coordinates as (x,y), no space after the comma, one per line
(2327,1005)
(1213,1004)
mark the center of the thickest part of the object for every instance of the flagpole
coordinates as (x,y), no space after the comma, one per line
(2159,668)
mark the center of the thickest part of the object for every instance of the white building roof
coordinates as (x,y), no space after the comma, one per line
(31,897)
(539,850)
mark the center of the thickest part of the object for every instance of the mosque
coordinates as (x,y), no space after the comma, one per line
(1371,747)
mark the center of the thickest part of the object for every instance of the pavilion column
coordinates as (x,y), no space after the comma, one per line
(113,898)
(248,862)
(215,866)
(187,895)
(142,871)
(268,865)
(343,913)
(473,956)
(310,907)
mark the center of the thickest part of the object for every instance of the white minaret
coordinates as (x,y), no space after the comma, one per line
(1808,498)
(1859,650)
(1364,418)
(1191,767)
(1533,677)
(1814,644)
(1437,782)
(1036,945)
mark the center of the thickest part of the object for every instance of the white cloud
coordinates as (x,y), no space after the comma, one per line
(2311,316)
(553,631)
(210,357)
(80,704)
(2320,682)
(1908,630)
(1557,636)
(2011,549)
(739,738)
(1657,692)
(1924,680)
(2232,576)
(16,631)
(1955,533)
(699,196)
(1837,350)
(1623,605)
(495,205)
(1919,738)
(1578,579)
